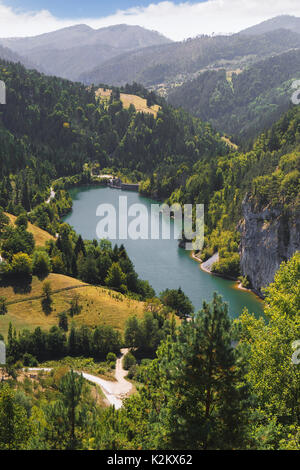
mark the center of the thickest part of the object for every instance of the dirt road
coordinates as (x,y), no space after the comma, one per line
(115,392)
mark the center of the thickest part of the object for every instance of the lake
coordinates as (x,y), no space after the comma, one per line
(161,262)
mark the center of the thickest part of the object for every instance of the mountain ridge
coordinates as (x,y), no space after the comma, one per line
(69,51)
(177,62)
(244,103)
(289,22)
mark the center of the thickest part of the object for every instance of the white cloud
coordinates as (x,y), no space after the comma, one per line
(175,21)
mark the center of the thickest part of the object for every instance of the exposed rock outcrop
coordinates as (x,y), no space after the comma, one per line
(269,236)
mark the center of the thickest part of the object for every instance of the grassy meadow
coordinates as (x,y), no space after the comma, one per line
(99,305)
(139,103)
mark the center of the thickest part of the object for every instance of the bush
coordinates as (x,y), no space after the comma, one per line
(129,361)
(3,306)
(41,264)
(22,221)
(229,265)
(63,321)
(29,360)
(133,372)
(244,281)
(111,357)
(21,265)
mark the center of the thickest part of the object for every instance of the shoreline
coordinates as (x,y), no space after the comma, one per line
(205,266)
(237,285)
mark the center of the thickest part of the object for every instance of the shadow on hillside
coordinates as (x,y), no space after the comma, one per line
(47,306)
(19,285)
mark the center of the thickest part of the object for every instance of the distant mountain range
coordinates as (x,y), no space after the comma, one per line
(291,23)
(10,56)
(239,82)
(71,51)
(172,64)
(122,54)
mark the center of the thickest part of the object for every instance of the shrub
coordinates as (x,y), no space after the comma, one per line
(21,265)
(229,265)
(129,361)
(22,221)
(3,306)
(41,264)
(244,281)
(111,357)
(29,360)
(133,372)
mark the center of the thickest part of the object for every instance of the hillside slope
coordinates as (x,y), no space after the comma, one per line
(292,23)
(100,306)
(69,51)
(11,56)
(40,236)
(242,104)
(166,65)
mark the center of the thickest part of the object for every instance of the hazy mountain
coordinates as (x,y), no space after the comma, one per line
(11,56)
(242,104)
(291,23)
(175,63)
(70,51)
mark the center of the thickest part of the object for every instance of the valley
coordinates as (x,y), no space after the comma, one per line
(114,334)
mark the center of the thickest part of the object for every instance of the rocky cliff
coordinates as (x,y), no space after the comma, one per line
(269,235)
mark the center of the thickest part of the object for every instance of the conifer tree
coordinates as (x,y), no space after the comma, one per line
(195,388)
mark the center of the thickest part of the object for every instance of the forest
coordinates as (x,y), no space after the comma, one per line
(245,102)
(247,396)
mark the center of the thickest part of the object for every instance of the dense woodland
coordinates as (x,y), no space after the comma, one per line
(268,173)
(243,103)
(51,127)
(246,396)
(174,63)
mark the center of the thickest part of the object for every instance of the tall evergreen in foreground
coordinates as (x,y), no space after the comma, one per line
(194,395)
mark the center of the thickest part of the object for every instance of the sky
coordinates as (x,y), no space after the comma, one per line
(176,19)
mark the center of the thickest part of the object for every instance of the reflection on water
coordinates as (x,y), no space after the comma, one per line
(161,262)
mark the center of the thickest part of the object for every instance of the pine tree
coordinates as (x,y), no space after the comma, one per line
(71,389)
(195,389)
(79,247)
(15,427)
(72,342)
(63,321)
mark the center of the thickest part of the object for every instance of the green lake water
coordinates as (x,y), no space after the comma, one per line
(161,262)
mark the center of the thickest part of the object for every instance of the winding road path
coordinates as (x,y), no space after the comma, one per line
(52,196)
(114,392)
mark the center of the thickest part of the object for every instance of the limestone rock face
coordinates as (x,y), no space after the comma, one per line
(269,236)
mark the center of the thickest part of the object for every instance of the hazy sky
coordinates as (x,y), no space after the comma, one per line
(177,19)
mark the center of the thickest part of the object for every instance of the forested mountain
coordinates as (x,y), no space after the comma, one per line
(289,22)
(50,127)
(11,56)
(52,132)
(246,396)
(252,198)
(70,51)
(242,104)
(175,63)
